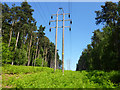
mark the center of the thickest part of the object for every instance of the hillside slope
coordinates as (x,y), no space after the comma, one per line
(44,77)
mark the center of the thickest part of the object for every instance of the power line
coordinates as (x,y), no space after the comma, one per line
(48,8)
(70,40)
(71,9)
(39,13)
(43,12)
(63,20)
(69,6)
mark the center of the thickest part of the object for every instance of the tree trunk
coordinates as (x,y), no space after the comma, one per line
(51,64)
(43,56)
(12,62)
(10,34)
(10,37)
(35,57)
(17,40)
(28,57)
(29,51)
(46,55)
(16,44)
(38,49)
(42,62)
(36,52)
(22,42)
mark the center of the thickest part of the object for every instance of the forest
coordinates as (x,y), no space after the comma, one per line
(104,51)
(23,43)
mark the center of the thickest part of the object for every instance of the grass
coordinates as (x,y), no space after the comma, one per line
(44,77)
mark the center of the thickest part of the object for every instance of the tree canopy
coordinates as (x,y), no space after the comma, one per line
(104,51)
(23,43)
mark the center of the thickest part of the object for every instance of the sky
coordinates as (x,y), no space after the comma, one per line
(83,18)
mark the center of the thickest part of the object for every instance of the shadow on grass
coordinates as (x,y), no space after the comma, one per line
(115,78)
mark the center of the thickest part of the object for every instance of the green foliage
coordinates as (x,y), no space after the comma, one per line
(45,64)
(0,50)
(39,62)
(44,77)
(115,77)
(21,57)
(7,55)
(104,51)
(22,41)
(12,69)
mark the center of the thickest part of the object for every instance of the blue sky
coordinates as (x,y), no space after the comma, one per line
(83,17)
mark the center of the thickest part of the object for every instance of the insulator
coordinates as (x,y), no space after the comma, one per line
(60,8)
(51,17)
(69,15)
(50,29)
(49,23)
(70,22)
(69,29)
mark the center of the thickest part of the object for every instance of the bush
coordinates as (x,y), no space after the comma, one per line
(7,55)
(21,56)
(44,77)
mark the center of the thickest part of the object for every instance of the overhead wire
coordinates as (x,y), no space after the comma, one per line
(48,8)
(43,15)
(69,6)
(71,33)
(43,12)
(70,40)
(39,13)
(59,5)
(49,12)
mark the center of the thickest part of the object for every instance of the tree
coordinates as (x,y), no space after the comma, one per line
(110,15)
(104,51)
(23,43)
(6,13)
(40,37)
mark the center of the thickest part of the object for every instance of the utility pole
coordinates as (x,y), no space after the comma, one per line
(63,45)
(56,41)
(62,34)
